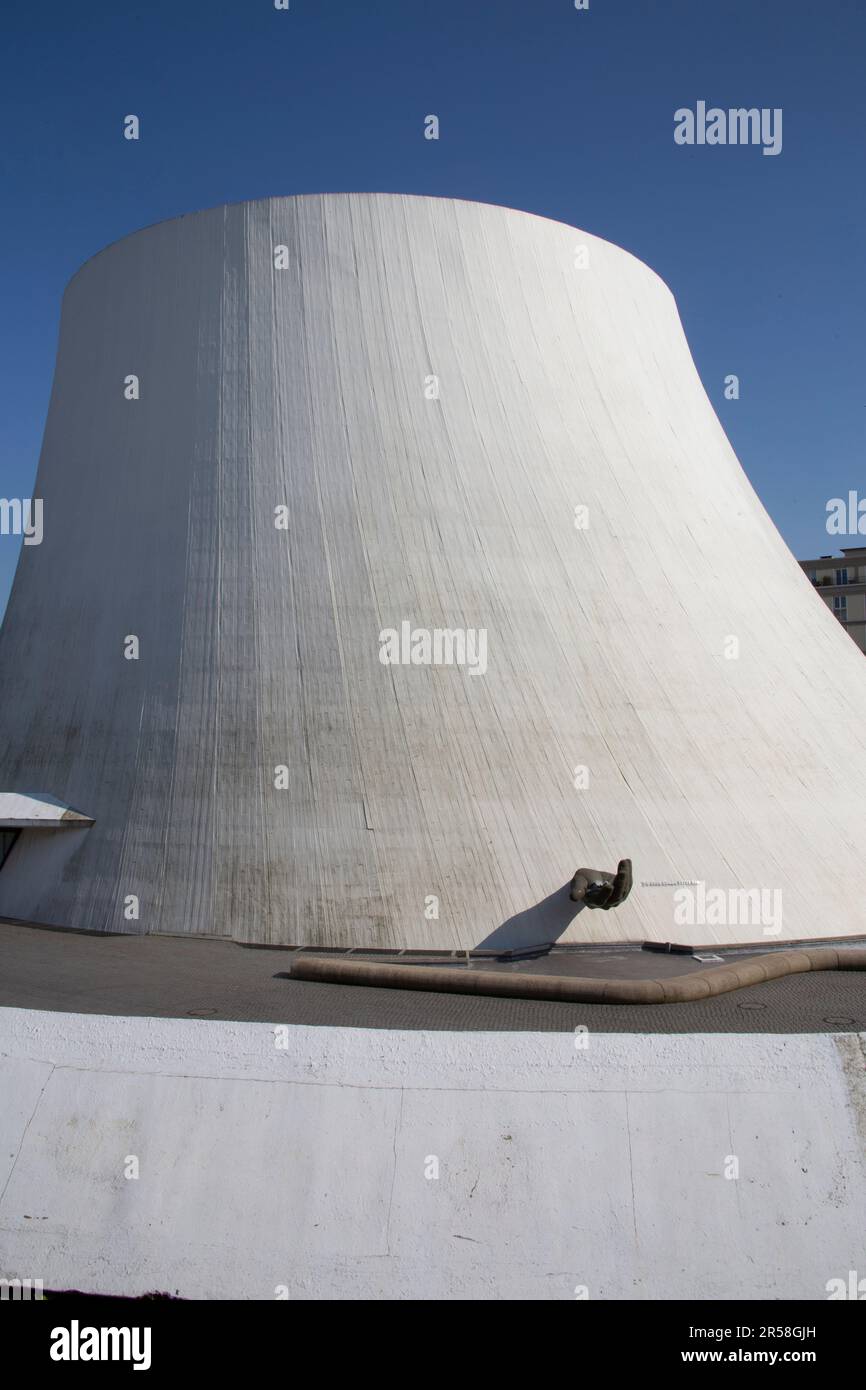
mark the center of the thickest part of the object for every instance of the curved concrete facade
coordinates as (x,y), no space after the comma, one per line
(667,643)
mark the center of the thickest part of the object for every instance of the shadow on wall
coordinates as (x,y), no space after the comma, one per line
(540,925)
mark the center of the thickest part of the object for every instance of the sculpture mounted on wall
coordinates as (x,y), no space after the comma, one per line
(596,888)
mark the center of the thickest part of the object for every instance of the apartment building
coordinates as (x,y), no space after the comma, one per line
(841,582)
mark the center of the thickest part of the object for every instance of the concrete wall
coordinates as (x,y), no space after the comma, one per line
(609,648)
(560,1168)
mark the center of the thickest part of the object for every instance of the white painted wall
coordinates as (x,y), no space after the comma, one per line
(558,387)
(558,1167)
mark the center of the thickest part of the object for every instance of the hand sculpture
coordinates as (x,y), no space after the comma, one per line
(598,889)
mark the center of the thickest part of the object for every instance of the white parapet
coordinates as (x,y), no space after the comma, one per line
(230,1160)
(395,565)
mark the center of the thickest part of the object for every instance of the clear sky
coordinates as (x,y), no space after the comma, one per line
(565,113)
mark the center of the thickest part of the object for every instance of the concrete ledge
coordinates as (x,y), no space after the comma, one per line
(564,1161)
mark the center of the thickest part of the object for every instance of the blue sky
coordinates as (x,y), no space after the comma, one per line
(564,113)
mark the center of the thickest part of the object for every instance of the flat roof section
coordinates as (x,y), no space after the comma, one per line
(189,977)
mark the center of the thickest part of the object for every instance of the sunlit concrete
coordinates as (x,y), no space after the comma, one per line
(432,391)
(373,1164)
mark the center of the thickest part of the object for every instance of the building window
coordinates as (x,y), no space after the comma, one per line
(7,840)
(813,575)
(840,606)
(841,576)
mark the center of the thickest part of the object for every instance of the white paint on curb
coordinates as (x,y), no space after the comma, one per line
(305,1167)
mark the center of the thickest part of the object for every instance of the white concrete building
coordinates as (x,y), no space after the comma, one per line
(395,564)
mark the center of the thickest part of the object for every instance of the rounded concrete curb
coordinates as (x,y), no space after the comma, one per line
(700,984)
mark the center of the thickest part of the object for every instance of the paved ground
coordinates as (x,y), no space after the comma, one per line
(183,977)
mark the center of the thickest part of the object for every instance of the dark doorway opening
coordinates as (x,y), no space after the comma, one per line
(7,840)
